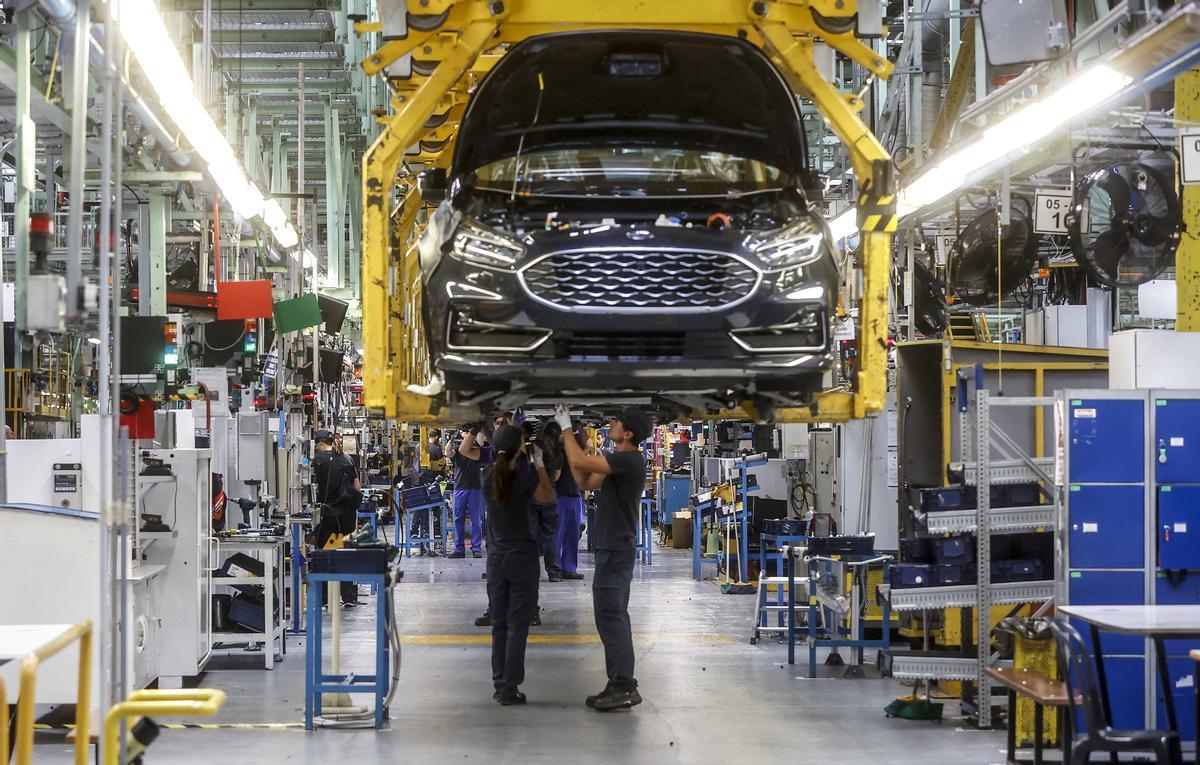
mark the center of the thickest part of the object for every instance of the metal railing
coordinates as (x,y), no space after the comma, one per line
(28,690)
(198,702)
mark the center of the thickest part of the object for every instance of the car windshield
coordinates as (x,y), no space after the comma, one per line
(629,171)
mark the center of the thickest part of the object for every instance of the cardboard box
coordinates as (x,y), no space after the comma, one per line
(681,530)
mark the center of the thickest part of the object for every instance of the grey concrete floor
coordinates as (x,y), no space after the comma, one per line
(709,695)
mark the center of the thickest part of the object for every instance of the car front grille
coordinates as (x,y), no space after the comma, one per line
(625,345)
(640,280)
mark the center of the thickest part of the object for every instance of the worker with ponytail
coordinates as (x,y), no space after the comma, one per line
(511,485)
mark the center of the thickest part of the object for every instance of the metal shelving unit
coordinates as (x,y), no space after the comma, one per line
(967,595)
(980,436)
(1004,520)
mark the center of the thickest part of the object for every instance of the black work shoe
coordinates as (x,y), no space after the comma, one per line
(457,555)
(591,700)
(485,620)
(537,619)
(617,700)
(507,701)
(351,603)
(572,575)
(553,578)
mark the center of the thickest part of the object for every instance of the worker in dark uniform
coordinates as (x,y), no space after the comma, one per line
(621,479)
(338,493)
(570,516)
(510,485)
(545,515)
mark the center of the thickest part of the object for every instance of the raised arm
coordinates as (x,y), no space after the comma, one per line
(467,447)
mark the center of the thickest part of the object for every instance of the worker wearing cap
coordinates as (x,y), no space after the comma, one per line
(621,479)
(468,459)
(331,475)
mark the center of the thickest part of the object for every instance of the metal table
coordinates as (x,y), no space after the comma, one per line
(1155,622)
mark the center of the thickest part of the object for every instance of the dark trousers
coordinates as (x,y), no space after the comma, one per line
(544,522)
(339,520)
(610,600)
(512,584)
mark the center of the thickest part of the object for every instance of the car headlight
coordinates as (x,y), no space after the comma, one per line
(483,246)
(796,244)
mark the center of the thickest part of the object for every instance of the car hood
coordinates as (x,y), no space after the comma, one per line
(633,88)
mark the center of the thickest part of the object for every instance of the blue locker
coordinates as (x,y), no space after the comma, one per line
(1183,690)
(1177,440)
(1107,527)
(1105,441)
(1177,588)
(1108,588)
(1126,679)
(1178,527)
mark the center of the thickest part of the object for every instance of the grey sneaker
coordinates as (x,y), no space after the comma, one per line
(617,700)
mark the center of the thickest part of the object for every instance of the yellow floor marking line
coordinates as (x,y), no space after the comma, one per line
(486,639)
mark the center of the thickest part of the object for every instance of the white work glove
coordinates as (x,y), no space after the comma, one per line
(562,415)
(539,460)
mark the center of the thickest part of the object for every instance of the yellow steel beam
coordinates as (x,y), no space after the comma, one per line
(381,163)
(1187,257)
(877,208)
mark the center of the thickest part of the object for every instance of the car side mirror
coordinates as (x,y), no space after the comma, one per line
(432,184)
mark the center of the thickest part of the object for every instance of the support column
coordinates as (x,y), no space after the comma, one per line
(335,227)
(26,174)
(156,265)
(1187,257)
(77,96)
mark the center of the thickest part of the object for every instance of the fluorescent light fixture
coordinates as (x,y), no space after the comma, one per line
(146,35)
(1016,132)
(94,340)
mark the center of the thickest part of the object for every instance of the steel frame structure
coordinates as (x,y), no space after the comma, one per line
(461,39)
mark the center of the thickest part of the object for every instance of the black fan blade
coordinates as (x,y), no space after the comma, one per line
(1107,252)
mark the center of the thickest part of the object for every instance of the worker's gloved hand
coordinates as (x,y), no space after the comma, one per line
(562,415)
(539,459)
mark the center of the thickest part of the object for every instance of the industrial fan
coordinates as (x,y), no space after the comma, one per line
(929,301)
(982,272)
(1125,224)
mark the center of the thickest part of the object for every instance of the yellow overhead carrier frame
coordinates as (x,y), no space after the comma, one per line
(463,44)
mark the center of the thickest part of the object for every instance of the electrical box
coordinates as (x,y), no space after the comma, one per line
(254,448)
(46,303)
(1176,440)
(1104,440)
(1178,527)
(67,481)
(1154,358)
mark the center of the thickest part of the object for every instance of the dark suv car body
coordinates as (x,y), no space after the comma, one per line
(625,219)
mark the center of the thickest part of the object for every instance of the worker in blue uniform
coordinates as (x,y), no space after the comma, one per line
(570,515)
(510,487)
(468,459)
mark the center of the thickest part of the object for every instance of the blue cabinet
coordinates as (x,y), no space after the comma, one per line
(1107,527)
(1183,693)
(1108,588)
(1178,528)
(1105,440)
(1177,440)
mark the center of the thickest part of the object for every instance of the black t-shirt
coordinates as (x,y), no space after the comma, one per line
(508,526)
(566,485)
(330,470)
(616,521)
(466,471)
